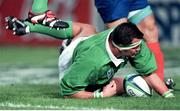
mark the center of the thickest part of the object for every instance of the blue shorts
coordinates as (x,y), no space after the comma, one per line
(111,10)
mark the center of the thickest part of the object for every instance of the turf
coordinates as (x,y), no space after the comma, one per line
(28,56)
(45,95)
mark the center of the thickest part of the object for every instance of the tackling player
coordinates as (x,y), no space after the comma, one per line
(88,65)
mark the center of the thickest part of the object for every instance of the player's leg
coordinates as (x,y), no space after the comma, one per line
(75,29)
(79,30)
(22,27)
(39,6)
(64,33)
(40,14)
(113,12)
(83,30)
(150,30)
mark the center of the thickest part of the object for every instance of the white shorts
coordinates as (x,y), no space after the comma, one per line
(66,56)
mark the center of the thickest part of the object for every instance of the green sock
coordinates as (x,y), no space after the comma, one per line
(39,6)
(59,34)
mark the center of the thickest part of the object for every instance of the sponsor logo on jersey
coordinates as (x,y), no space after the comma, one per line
(110,73)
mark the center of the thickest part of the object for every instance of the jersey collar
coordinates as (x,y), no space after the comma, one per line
(115,60)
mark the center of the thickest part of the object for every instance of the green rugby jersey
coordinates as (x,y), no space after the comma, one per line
(94,64)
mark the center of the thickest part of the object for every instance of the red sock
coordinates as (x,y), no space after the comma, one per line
(155,48)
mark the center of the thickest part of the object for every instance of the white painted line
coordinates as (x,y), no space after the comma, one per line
(12,105)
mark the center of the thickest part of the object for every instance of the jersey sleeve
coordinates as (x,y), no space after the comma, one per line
(144,62)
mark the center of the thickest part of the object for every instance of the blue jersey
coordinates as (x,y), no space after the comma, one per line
(111,10)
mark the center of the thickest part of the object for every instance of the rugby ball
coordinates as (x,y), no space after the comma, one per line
(136,86)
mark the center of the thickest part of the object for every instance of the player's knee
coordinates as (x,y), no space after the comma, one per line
(90,29)
(76,30)
(150,30)
(81,29)
(87,30)
(151,26)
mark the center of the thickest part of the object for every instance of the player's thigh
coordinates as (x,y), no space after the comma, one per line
(137,4)
(82,29)
(136,16)
(112,10)
(145,21)
(116,23)
(149,28)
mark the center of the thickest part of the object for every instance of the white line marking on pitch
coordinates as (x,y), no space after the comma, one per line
(12,105)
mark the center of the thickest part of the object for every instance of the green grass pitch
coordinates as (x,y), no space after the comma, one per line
(29,80)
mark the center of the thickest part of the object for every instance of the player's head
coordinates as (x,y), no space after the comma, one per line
(124,34)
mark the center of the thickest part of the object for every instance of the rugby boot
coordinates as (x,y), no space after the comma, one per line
(18,26)
(47,19)
(170,84)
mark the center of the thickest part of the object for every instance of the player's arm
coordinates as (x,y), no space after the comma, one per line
(81,95)
(144,62)
(158,85)
(108,91)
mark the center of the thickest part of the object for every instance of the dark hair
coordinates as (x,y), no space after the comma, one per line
(124,33)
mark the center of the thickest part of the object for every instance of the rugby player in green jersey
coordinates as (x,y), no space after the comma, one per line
(88,65)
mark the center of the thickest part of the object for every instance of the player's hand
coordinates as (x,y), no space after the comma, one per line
(110,89)
(18,26)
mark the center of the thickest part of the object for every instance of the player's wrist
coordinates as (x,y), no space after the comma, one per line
(168,94)
(98,94)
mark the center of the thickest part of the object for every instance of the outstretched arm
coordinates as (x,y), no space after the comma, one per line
(158,85)
(108,91)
